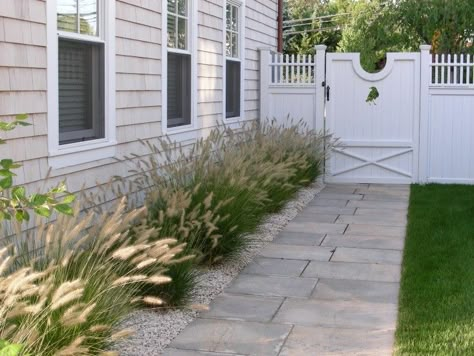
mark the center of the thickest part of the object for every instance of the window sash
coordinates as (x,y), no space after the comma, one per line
(81,96)
(233,89)
(85,20)
(232,31)
(179,99)
(90,121)
(178,26)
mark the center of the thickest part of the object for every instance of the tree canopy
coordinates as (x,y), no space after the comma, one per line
(374,27)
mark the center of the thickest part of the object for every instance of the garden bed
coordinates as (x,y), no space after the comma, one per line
(207,210)
(154,330)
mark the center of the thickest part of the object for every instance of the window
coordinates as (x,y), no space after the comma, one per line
(179,83)
(81,71)
(233,70)
(81,81)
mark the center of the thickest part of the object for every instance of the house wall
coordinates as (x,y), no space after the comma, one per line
(23,81)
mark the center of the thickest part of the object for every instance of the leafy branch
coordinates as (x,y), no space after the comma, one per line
(14,201)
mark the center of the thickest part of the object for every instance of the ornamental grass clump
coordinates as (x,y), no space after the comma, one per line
(65,287)
(213,194)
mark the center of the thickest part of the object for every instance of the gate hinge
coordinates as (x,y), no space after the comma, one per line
(323,84)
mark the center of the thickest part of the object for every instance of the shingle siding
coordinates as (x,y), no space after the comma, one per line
(138,26)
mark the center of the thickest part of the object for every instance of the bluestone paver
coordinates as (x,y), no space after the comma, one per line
(272,285)
(375,230)
(395,205)
(313,210)
(366,291)
(383,191)
(331,202)
(276,266)
(340,196)
(319,218)
(306,341)
(327,285)
(315,253)
(386,197)
(315,227)
(362,255)
(337,313)
(181,352)
(361,241)
(356,271)
(377,220)
(380,212)
(243,307)
(299,238)
(237,337)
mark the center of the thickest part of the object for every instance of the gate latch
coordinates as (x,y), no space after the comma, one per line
(328,91)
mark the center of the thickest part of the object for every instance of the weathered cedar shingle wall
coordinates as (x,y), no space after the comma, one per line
(23,79)
(261,31)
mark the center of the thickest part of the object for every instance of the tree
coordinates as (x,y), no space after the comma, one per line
(302,36)
(374,27)
(372,31)
(445,24)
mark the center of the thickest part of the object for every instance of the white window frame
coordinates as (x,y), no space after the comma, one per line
(86,151)
(182,131)
(241,7)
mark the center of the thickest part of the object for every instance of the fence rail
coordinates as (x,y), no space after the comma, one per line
(293,69)
(452,70)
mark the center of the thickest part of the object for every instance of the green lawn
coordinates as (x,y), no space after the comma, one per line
(437,290)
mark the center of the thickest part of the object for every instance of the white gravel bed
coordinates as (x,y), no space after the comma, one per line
(154,330)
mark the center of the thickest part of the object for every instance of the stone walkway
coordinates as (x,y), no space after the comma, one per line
(327,285)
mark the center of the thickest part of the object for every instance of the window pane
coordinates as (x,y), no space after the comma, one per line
(235,19)
(172,31)
(235,45)
(228,17)
(81,91)
(172,6)
(232,97)
(182,33)
(179,89)
(88,17)
(67,15)
(182,7)
(228,44)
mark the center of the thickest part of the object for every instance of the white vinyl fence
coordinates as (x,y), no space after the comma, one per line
(449,120)
(411,122)
(288,87)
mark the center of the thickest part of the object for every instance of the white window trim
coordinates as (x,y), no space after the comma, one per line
(241,6)
(180,133)
(81,152)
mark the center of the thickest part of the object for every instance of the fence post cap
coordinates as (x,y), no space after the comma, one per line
(425,47)
(321,47)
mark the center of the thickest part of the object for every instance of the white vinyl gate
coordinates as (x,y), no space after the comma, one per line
(419,127)
(378,140)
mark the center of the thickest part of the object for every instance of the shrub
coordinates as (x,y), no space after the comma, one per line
(65,289)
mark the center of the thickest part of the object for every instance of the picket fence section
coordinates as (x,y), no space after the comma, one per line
(329,91)
(290,69)
(452,69)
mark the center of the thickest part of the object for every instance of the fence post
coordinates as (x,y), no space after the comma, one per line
(425,80)
(264,82)
(319,78)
